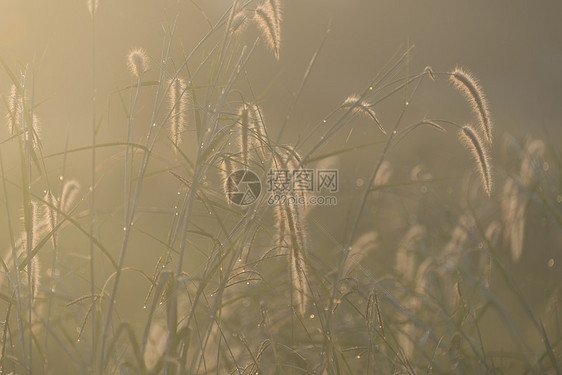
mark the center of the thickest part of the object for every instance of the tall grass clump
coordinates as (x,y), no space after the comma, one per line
(225,250)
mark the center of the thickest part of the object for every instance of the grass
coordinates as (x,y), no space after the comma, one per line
(149,268)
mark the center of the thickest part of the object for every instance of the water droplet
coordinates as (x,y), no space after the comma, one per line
(44,191)
(124,229)
(311,316)
(153,124)
(359,182)
(371,88)
(247,283)
(212,294)
(358,356)
(550,263)
(144,307)
(394,132)
(78,340)
(61,178)
(324,121)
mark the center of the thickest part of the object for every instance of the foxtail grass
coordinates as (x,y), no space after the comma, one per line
(244,134)
(15,107)
(473,142)
(267,17)
(178,98)
(137,62)
(93,7)
(362,107)
(239,21)
(473,93)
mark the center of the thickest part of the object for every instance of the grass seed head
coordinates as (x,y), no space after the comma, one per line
(473,93)
(178,99)
(264,16)
(472,140)
(93,7)
(362,107)
(138,62)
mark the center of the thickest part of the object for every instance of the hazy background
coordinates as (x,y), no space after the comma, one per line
(514,48)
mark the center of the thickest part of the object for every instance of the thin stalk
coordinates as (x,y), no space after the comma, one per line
(93,192)
(55,249)
(301,87)
(14,260)
(133,207)
(339,122)
(27,214)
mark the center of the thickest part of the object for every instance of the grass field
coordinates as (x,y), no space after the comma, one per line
(197,219)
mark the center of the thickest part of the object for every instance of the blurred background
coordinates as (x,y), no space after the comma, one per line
(513,47)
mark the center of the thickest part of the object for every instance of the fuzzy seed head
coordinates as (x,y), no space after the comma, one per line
(469,87)
(178,99)
(34,132)
(405,256)
(534,152)
(70,192)
(265,17)
(360,248)
(362,107)
(472,140)
(14,110)
(244,134)
(138,62)
(239,22)
(297,233)
(513,214)
(257,128)
(93,7)
(429,71)
(226,169)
